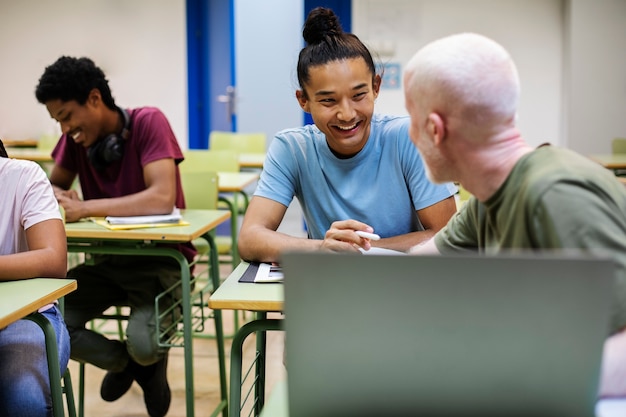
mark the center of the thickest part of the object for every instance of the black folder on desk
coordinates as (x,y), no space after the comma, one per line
(250,273)
(271,274)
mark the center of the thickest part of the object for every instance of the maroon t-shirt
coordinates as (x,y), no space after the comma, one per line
(150,138)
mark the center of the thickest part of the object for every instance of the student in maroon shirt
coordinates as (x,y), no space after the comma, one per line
(126,161)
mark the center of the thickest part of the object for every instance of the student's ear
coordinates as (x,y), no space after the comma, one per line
(94,98)
(376,85)
(436,128)
(302,100)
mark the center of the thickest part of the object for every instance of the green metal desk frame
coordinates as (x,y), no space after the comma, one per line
(259,326)
(149,248)
(52,356)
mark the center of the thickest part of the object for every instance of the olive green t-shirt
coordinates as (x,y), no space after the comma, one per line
(552,199)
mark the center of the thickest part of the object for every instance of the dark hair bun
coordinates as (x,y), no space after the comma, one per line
(320,23)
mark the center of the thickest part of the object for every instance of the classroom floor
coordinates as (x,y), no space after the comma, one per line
(206,379)
(206,375)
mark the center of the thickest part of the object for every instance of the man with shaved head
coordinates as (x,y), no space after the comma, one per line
(462,93)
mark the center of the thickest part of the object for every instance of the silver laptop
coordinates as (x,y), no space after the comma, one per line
(446,336)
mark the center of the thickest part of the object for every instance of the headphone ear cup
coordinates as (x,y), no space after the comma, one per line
(113,148)
(94,153)
(106,151)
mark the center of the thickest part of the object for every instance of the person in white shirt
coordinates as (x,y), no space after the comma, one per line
(32,244)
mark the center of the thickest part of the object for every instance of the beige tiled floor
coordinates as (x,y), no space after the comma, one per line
(206,379)
(206,375)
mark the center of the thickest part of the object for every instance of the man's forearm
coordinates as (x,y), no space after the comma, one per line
(267,246)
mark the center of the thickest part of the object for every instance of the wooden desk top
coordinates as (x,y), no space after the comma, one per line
(20,143)
(235,295)
(30,154)
(20,298)
(235,181)
(200,222)
(251,160)
(610,161)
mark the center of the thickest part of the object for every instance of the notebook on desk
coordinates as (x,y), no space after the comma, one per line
(444,336)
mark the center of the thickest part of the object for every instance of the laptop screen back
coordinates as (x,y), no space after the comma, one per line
(442,336)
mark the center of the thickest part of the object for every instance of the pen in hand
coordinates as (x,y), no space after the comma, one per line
(366,235)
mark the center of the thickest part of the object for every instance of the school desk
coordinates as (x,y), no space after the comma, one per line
(30,154)
(610,161)
(22,299)
(260,298)
(91,239)
(251,160)
(20,143)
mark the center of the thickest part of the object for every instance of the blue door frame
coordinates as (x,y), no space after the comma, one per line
(210,67)
(211,62)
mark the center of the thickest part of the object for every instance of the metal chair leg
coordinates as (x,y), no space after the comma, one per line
(81,389)
(69,393)
(52,355)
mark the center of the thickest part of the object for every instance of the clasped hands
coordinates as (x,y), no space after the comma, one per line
(71,203)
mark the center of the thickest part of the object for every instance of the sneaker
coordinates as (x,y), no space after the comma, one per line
(116,384)
(156,391)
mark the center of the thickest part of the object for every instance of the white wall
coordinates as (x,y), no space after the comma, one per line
(531,30)
(266,57)
(596,77)
(140,45)
(570,54)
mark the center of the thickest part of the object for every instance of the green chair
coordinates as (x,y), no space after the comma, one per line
(66,387)
(210,160)
(223,160)
(238,141)
(618,145)
(200,189)
(201,193)
(463,196)
(220,161)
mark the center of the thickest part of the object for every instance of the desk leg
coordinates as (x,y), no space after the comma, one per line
(234,230)
(52,354)
(259,326)
(219,329)
(187,335)
(186,300)
(261,348)
(234,225)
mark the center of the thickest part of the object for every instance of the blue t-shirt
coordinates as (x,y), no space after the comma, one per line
(382,186)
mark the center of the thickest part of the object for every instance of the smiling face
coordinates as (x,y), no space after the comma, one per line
(82,123)
(340,96)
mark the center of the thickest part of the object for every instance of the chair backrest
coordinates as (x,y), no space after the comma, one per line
(200,188)
(210,160)
(618,145)
(463,196)
(240,142)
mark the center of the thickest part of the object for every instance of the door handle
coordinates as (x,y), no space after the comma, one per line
(230,99)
